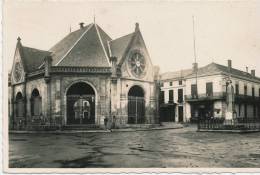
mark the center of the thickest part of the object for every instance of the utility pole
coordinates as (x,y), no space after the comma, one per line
(196,67)
(194,52)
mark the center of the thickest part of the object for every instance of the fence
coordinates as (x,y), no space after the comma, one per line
(222,124)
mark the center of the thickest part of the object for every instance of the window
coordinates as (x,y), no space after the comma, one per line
(239,110)
(19,105)
(254,110)
(245,111)
(170,83)
(36,103)
(209,89)
(237,89)
(180,95)
(245,90)
(170,96)
(161,97)
(161,84)
(194,93)
(253,92)
(180,82)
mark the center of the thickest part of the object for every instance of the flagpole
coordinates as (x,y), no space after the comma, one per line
(194,52)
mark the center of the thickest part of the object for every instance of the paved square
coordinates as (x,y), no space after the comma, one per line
(143,149)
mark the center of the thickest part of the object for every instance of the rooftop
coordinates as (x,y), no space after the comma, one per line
(212,68)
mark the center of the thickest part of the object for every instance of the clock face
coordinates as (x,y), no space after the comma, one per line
(136,63)
(17,71)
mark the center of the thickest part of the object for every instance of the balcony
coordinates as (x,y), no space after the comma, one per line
(170,103)
(246,98)
(221,96)
(206,97)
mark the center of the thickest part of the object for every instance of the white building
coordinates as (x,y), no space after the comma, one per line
(209,98)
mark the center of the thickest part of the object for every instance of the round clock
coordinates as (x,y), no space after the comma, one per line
(136,63)
(17,71)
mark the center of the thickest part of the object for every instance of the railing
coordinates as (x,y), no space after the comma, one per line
(61,69)
(221,95)
(246,98)
(213,96)
(222,124)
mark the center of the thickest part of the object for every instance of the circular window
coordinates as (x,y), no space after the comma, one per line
(137,64)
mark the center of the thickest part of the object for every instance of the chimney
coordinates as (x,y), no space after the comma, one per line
(230,64)
(253,72)
(246,69)
(194,67)
(136,27)
(81,25)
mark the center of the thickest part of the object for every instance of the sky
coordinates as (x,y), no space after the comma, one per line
(223,29)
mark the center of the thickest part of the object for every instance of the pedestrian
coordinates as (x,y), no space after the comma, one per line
(105,122)
(114,122)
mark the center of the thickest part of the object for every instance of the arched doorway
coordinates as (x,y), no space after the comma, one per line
(36,103)
(80,104)
(136,105)
(19,105)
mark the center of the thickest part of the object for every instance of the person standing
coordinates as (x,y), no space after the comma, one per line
(105,122)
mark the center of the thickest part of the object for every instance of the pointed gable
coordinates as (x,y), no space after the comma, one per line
(86,47)
(118,46)
(31,58)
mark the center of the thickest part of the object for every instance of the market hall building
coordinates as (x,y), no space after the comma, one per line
(83,79)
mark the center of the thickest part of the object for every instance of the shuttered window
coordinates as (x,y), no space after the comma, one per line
(170,96)
(194,93)
(209,89)
(180,95)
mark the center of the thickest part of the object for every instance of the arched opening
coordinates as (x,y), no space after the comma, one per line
(19,105)
(136,105)
(80,104)
(36,103)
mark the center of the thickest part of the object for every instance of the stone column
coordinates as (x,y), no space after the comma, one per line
(57,98)
(123,108)
(47,78)
(25,103)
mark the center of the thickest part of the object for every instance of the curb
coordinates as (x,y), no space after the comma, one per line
(91,131)
(229,131)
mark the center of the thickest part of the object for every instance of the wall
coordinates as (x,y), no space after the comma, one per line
(201,83)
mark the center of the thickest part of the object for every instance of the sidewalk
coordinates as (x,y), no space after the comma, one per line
(163,127)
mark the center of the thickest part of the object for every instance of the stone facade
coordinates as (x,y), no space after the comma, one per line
(53,85)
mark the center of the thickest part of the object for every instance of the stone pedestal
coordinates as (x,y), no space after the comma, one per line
(229,116)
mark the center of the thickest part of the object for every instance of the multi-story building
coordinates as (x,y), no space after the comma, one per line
(190,93)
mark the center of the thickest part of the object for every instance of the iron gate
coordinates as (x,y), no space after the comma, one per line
(81,109)
(136,110)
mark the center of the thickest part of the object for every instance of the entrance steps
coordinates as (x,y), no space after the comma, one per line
(82,127)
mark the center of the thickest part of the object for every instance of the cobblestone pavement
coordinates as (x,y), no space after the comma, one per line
(143,149)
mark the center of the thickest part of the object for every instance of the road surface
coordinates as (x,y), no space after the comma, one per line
(143,149)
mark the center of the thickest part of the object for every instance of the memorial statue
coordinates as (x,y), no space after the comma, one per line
(230,100)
